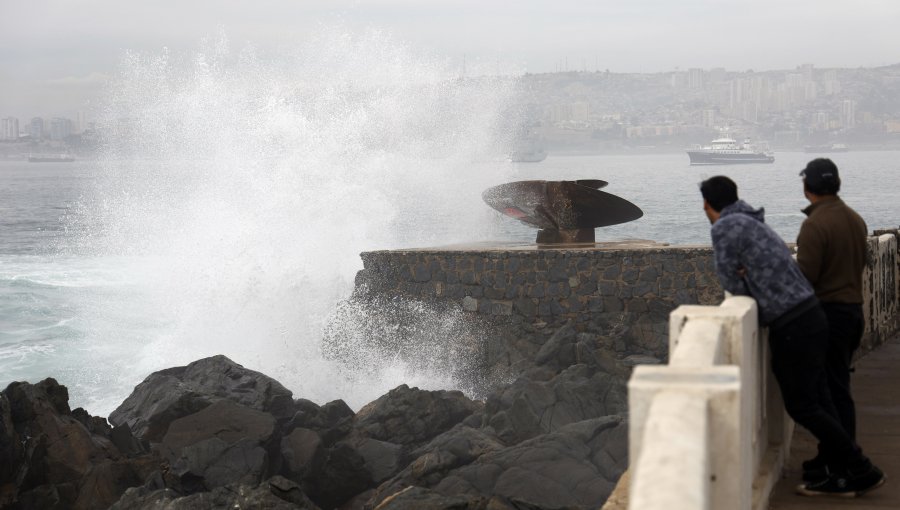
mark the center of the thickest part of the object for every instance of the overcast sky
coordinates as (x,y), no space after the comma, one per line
(55,54)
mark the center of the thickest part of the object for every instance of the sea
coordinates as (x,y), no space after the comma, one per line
(233,193)
(99,321)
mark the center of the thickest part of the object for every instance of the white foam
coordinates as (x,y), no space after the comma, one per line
(242,188)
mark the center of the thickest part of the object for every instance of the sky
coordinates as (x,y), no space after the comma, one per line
(55,55)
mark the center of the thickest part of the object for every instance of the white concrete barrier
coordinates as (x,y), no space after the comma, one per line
(708,430)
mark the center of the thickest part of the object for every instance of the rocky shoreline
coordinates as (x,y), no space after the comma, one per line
(214,434)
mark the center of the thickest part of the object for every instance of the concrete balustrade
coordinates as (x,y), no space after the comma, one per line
(718,383)
(708,430)
(880,289)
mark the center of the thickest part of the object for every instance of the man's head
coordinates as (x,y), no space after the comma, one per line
(718,193)
(820,177)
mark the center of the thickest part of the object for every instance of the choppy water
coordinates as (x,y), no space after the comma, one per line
(232,202)
(101,322)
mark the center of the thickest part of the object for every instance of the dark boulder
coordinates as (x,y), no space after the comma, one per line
(527,408)
(332,421)
(11,450)
(418,498)
(569,468)
(410,416)
(223,444)
(277,493)
(453,449)
(65,458)
(169,394)
(342,476)
(303,453)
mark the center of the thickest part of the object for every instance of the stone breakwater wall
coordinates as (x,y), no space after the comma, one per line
(618,294)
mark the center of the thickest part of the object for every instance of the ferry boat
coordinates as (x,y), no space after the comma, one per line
(727,151)
(50,158)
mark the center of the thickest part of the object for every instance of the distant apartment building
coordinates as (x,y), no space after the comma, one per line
(695,78)
(569,112)
(708,118)
(822,121)
(9,128)
(848,113)
(36,128)
(60,128)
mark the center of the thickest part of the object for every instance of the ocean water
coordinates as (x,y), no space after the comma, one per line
(231,201)
(100,322)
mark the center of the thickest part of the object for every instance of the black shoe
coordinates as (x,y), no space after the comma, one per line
(817,462)
(815,473)
(815,469)
(847,484)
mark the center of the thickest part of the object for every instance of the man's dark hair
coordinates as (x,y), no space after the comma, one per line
(719,191)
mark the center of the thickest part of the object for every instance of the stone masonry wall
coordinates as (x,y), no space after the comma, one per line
(616,295)
(619,296)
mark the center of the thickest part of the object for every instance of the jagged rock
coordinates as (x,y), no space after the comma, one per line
(105,482)
(559,350)
(173,393)
(343,475)
(417,498)
(94,424)
(528,408)
(569,468)
(409,416)
(382,459)
(333,421)
(223,444)
(10,447)
(453,449)
(276,493)
(122,437)
(66,460)
(303,453)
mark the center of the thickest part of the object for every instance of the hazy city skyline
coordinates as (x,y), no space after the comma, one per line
(55,55)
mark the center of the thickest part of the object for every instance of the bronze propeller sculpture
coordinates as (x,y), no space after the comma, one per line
(563,211)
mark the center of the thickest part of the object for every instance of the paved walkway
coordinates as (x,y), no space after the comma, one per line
(876,389)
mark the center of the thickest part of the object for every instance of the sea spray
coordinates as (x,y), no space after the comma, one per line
(240,188)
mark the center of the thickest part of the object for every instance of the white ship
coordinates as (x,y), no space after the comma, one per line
(727,151)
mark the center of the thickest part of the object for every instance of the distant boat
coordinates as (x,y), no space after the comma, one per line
(528,151)
(50,158)
(726,151)
(821,149)
(528,156)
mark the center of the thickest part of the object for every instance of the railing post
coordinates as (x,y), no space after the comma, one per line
(718,388)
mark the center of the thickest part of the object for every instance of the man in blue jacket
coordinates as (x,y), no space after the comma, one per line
(752,260)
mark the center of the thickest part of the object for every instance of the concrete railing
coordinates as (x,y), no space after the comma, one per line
(881,286)
(708,430)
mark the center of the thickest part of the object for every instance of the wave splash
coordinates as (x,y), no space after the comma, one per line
(242,188)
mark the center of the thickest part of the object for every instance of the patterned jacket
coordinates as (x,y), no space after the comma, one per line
(751,260)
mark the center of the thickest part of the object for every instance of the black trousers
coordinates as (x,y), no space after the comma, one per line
(799,353)
(845,329)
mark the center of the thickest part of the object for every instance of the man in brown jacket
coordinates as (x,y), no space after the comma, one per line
(831,252)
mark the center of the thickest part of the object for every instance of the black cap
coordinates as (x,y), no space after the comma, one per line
(821,177)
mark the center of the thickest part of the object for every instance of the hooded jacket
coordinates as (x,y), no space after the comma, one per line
(741,240)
